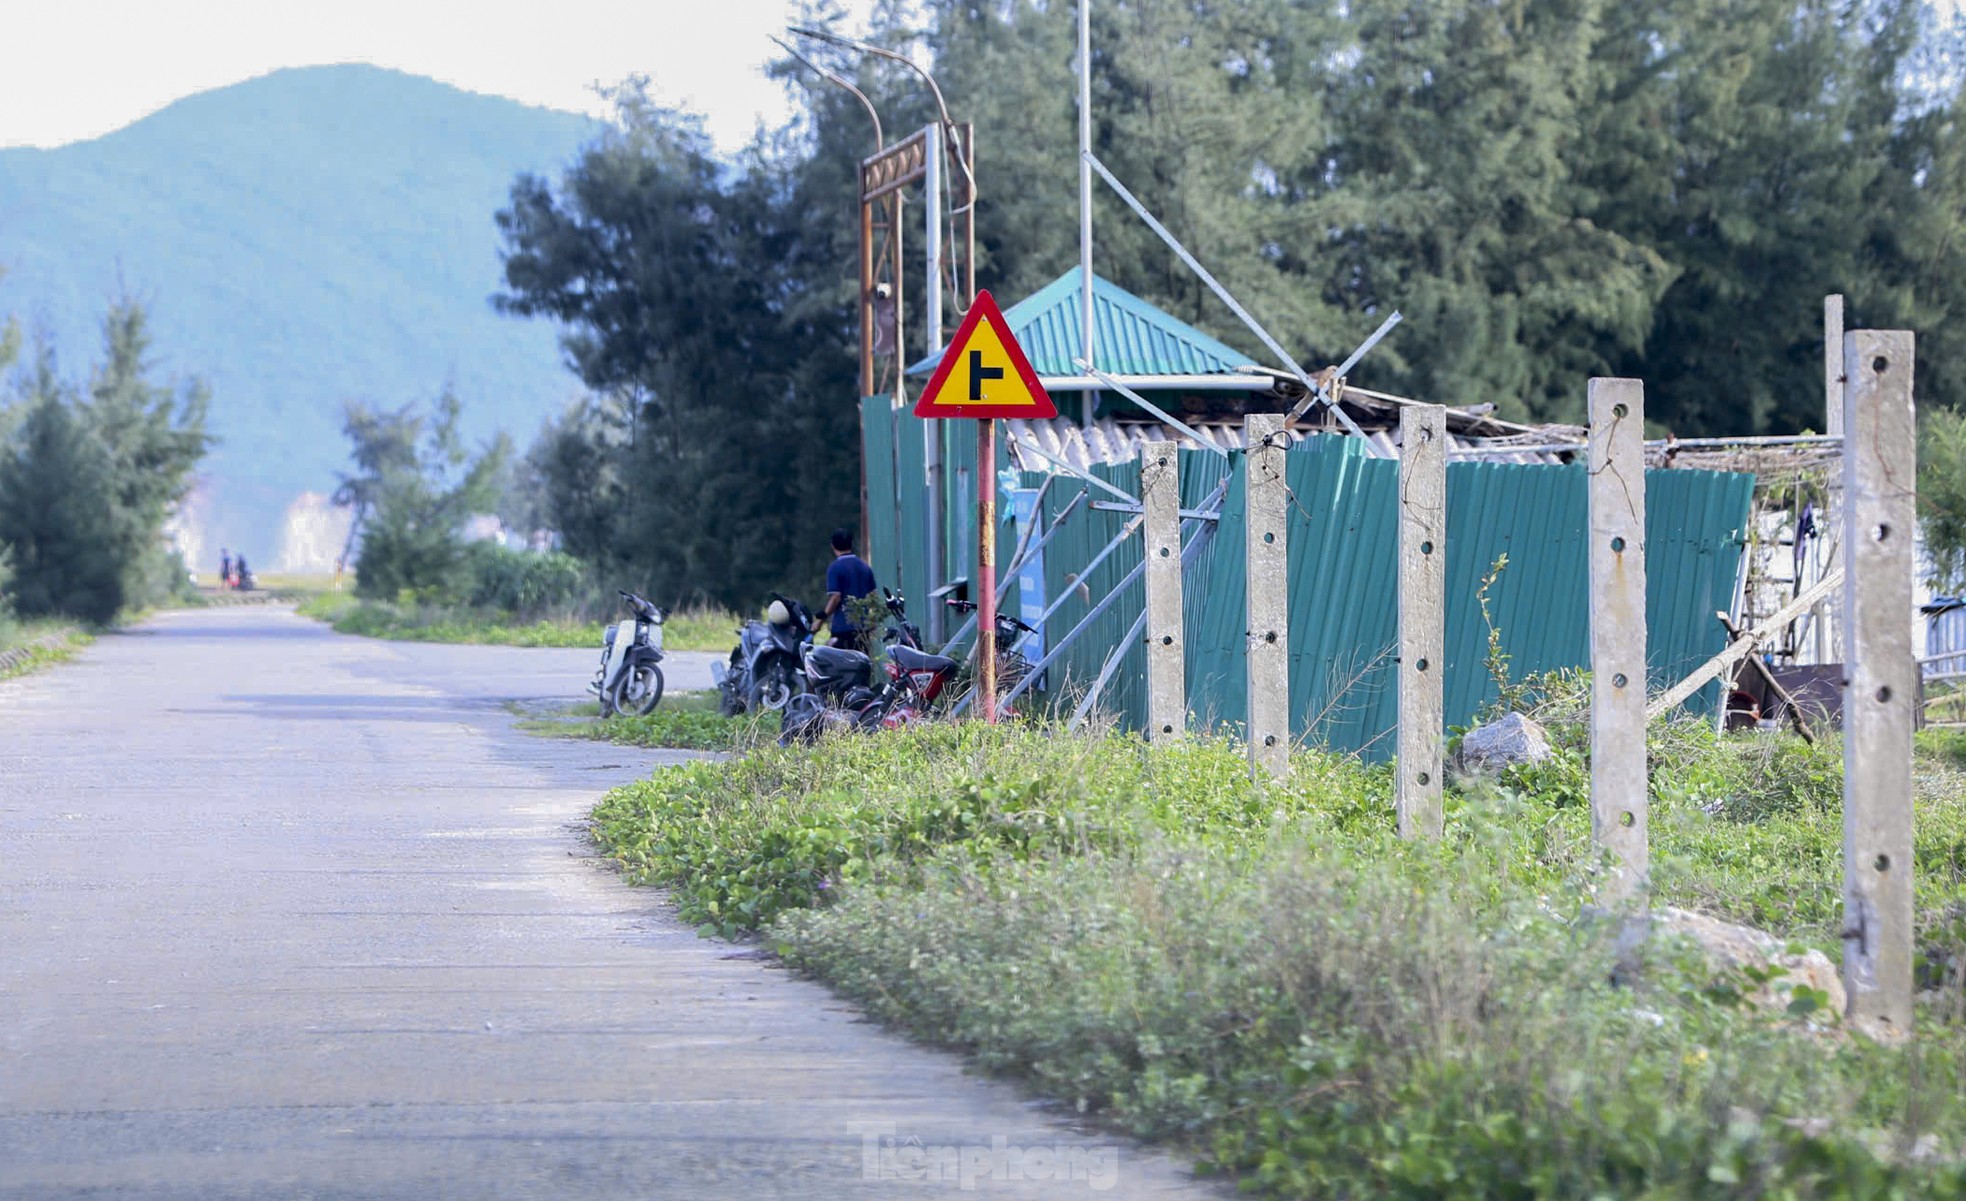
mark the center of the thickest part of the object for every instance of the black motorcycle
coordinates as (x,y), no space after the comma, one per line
(900,631)
(839,692)
(1012,666)
(764,670)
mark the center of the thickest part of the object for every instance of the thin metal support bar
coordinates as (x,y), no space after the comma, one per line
(1364,348)
(1189,553)
(1017,561)
(1215,286)
(1062,465)
(1108,506)
(1214,499)
(1148,405)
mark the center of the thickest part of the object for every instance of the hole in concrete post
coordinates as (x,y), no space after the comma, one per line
(1167,640)
(1880,364)
(1163,552)
(1619,680)
(1426,434)
(1884,694)
(1426,548)
(1270,636)
(1618,546)
(1421,665)
(1269,740)
(1269,537)
(1424,779)
(1619,411)
(1162,461)
(1882,863)
(1881,532)
(1628,819)
(1167,729)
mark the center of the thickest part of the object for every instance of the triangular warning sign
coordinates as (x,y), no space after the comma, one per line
(984,372)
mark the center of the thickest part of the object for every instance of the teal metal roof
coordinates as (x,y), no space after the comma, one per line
(1133,336)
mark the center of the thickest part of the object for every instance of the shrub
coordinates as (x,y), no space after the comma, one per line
(522,583)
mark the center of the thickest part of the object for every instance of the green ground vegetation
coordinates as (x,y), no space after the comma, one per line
(1269,978)
(47,643)
(410,621)
(683,721)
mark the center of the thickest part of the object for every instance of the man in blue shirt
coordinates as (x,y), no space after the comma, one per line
(848,578)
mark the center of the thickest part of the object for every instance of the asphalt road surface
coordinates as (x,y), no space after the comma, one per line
(286,914)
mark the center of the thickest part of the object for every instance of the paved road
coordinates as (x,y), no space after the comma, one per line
(285,914)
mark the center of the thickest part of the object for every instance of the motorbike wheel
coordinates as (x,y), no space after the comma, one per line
(774,687)
(639,690)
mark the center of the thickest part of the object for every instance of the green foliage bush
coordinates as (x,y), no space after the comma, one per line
(1270,977)
(523,583)
(414,488)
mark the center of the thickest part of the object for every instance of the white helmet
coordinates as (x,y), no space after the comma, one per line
(778,614)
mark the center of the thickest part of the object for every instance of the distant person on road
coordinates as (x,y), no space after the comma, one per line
(848,578)
(224,567)
(245,572)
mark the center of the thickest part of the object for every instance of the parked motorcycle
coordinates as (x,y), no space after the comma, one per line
(901,631)
(1012,666)
(764,668)
(630,677)
(837,695)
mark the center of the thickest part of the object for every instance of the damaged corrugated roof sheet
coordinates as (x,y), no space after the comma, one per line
(1133,336)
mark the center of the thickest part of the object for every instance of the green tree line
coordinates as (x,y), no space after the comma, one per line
(1548,189)
(90,472)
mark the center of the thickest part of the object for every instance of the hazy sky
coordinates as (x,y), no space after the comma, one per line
(76,69)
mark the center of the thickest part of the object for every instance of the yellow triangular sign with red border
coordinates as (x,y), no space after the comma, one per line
(984,373)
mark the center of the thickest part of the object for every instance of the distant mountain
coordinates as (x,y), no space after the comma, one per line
(302,238)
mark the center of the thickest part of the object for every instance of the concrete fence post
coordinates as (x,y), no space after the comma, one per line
(1422,618)
(1617,615)
(1266,522)
(1880,674)
(1160,505)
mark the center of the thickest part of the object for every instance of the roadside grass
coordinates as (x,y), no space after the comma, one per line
(29,646)
(1271,979)
(686,630)
(683,721)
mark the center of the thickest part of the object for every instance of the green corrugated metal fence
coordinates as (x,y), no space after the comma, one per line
(1344,577)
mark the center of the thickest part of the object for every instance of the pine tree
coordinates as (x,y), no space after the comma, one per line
(58,517)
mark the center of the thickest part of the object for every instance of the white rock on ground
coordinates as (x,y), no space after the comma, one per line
(1487,749)
(1732,946)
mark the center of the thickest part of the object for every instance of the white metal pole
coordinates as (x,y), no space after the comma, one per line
(932,429)
(1828,619)
(1085,201)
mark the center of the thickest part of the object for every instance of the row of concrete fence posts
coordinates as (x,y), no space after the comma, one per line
(1160,510)
(1616,558)
(1267,589)
(1880,672)
(1422,619)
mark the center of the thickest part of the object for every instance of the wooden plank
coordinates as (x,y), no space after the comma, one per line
(1712,669)
(1422,618)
